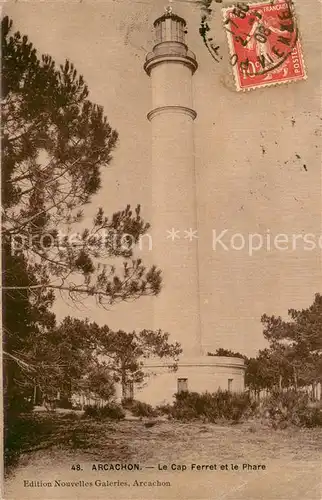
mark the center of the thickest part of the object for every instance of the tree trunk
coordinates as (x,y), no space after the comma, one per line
(295,378)
(124,384)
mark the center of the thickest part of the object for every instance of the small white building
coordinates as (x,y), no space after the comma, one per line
(200,374)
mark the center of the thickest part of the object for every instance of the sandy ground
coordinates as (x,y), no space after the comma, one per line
(292,460)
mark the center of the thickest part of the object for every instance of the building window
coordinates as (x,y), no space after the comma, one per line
(230,384)
(177,31)
(182,385)
(163,32)
(181,33)
(158,33)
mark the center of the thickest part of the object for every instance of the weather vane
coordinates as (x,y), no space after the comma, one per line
(168,9)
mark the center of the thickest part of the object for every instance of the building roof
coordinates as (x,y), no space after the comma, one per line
(168,15)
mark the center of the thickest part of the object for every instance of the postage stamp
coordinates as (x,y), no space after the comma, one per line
(264,43)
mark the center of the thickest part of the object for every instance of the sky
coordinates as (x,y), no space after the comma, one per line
(258,157)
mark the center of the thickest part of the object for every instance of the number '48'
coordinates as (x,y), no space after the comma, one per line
(76,467)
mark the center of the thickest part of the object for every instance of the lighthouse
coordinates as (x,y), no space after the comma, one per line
(175,239)
(174,203)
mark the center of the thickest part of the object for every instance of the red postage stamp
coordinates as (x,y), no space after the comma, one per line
(264,43)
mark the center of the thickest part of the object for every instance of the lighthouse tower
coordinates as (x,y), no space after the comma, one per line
(174,218)
(171,66)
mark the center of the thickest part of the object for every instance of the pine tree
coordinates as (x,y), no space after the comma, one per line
(55,145)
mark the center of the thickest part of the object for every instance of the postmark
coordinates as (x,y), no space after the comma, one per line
(264,44)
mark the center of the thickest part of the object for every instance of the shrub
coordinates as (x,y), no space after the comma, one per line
(212,406)
(291,408)
(23,432)
(139,409)
(165,409)
(91,411)
(64,403)
(111,411)
(310,417)
(14,406)
(76,406)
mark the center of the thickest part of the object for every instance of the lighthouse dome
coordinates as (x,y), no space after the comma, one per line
(170,28)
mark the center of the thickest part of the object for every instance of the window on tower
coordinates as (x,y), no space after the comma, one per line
(181,33)
(163,32)
(175,31)
(230,384)
(158,33)
(182,385)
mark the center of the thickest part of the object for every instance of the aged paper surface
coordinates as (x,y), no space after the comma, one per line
(213,127)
